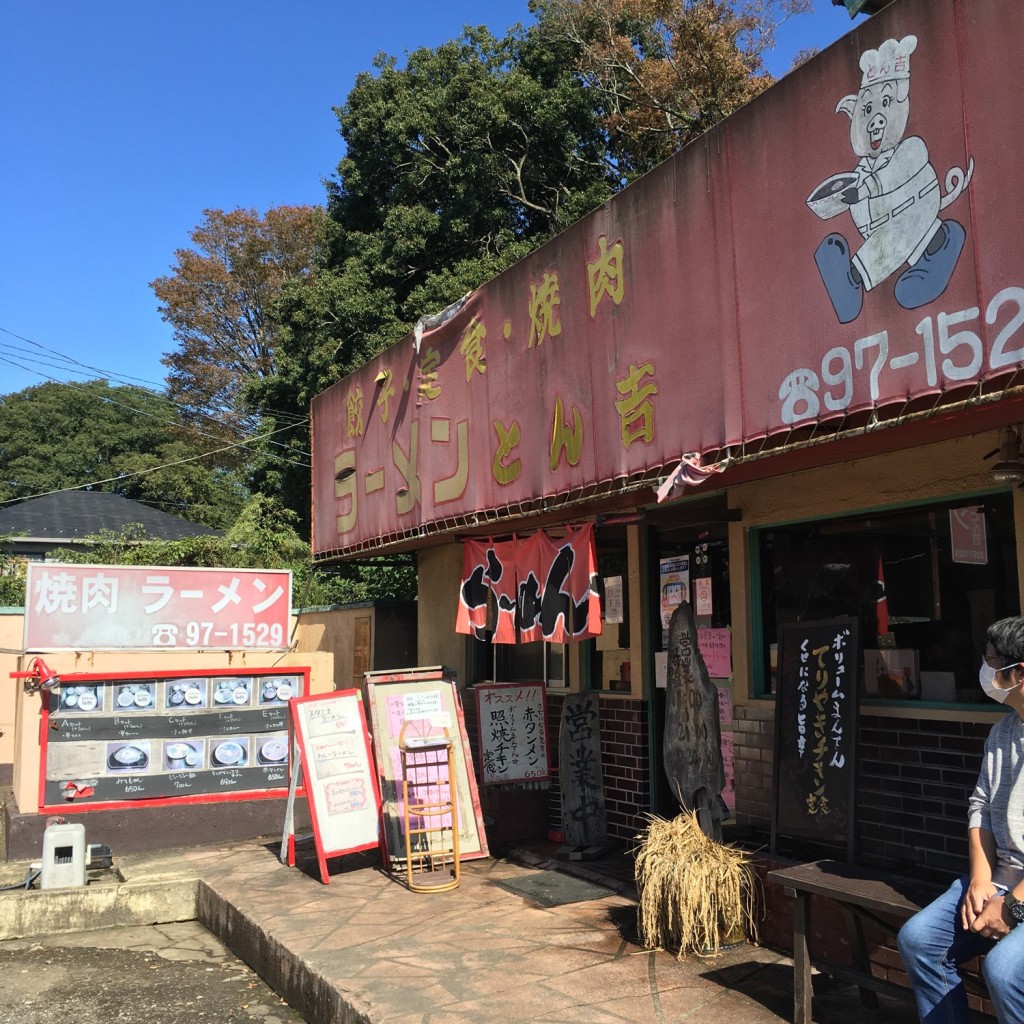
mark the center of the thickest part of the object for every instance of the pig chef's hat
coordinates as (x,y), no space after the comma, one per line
(890,62)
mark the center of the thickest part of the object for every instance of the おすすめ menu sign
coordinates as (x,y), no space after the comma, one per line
(513,732)
(816,721)
(108,739)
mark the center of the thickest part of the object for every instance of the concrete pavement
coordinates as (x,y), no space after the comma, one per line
(364,949)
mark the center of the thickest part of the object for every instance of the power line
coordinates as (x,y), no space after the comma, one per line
(140,472)
(76,362)
(158,388)
(143,412)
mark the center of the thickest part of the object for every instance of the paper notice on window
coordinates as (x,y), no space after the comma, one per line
(613,606)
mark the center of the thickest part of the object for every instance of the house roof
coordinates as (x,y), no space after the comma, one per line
(71,515)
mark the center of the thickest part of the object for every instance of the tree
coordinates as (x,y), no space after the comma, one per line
(127,439)
(263,536)
(470,156)
(219,300)
(666,71)
(12,578)
(457,165)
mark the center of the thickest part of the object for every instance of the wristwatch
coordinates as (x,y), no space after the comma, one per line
(1015,907)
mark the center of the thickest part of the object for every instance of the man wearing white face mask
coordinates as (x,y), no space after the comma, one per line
(981,913)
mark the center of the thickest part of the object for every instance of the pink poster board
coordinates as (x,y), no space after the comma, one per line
(716,650)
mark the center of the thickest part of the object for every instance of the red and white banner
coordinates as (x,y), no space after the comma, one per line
(471,616)
(542,588)
(99,607)
(504,586)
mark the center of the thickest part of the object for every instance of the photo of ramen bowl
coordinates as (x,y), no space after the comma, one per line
(128,757)
(273,750)
(229,754)
(179,755)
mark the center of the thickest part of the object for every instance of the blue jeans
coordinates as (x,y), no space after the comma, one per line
(933,942)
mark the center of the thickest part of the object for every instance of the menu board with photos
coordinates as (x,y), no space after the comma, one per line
(109,739)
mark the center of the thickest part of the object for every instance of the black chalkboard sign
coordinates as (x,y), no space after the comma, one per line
(815,732)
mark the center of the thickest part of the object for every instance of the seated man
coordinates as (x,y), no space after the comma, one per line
(980,913)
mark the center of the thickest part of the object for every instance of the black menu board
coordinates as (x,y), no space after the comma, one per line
(109,739)
(815,731)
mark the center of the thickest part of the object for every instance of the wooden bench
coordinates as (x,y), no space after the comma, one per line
(871,895)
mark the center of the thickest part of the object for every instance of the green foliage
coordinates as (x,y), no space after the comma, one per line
(457,165)
(12,578)
(126,439)
(663,72)
(262,537)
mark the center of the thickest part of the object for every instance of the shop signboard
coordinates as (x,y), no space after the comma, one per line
(110,740)
(428,700)
(110,607)
(584,812)
(788,269)
(815,732)
(513,729)
(330,735)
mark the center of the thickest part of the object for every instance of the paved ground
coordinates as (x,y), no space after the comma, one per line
(364,945)
(364,949)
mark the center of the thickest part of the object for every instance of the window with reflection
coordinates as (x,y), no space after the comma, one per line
(924,583)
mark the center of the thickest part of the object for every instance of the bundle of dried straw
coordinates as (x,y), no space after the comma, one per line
(696,895)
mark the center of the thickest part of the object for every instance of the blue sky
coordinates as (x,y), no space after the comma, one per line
(121,121)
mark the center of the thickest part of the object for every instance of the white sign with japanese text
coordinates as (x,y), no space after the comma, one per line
(102,607)
(513,731)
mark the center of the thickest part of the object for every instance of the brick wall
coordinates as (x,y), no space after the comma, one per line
(913,780)
(753,730)
(625,757)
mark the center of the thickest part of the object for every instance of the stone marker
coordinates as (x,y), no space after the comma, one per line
(693,741)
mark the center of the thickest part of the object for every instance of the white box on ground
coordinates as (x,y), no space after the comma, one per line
(63,857)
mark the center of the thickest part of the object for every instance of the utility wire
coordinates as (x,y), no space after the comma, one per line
(139,472)
(155,389)
(143,412)
(277,413)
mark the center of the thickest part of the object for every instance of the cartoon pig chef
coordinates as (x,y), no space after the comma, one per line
(893,196)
